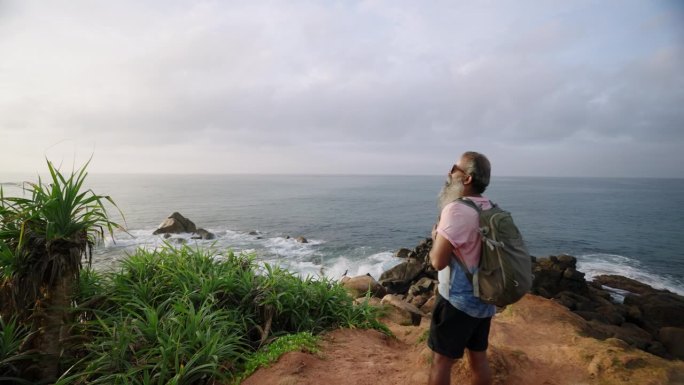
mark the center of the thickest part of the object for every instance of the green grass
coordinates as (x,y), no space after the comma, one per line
(185,316)
(304,341)
(12,359)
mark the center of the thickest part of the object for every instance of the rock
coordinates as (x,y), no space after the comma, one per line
(358,286)
(673,340)
(402,312)
(301,239)
(624,283)
(553,275)
(627,332)
(423,286)
(658,309)
(253,232)
(429,305)
(204,234)
(372,301)
(167,236)
(399,278)
(402,253)
(175,224)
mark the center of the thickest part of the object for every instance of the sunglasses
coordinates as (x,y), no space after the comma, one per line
(455,168)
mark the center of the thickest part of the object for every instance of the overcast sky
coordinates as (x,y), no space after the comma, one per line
(544,88)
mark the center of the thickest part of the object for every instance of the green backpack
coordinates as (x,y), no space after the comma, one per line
(504,274)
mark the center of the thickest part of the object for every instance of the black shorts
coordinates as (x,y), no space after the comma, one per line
(451,331)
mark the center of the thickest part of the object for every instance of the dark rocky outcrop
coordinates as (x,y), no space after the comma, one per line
(557,274)
(649,319)
(175,224)
(399,278)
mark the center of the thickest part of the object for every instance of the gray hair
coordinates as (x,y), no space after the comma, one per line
(478,167)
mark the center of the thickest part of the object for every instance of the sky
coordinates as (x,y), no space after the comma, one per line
(543,88)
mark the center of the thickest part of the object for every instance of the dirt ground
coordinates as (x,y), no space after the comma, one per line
(535,341)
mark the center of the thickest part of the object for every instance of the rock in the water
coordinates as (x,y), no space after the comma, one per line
(301,239)
(176,223)
(204,234)
(624,283)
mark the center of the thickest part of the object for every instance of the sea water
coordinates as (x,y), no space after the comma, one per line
(354,224)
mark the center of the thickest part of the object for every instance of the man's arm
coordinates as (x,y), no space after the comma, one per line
(440,254)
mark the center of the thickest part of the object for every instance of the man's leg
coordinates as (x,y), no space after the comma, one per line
(440,370)
(479,365)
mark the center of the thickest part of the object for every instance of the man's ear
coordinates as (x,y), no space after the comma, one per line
(467,179)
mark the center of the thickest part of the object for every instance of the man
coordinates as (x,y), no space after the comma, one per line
(460,321)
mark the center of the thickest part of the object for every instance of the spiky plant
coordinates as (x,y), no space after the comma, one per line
(44,241)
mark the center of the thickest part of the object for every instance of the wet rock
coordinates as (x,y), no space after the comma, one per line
(203,234)
(175,224)
(301,239)
(624,283)
(403,253)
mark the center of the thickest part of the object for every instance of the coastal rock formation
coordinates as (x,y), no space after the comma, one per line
(639,320)
(648,319)
(536,341)
(203,234)
(175,223)
(579,334)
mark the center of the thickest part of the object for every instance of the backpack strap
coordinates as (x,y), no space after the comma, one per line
(472,204)
(458,259)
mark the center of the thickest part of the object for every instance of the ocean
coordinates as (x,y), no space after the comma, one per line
(354,224)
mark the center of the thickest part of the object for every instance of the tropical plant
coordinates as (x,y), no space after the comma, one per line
(196,316)
(12,337)
(44,240)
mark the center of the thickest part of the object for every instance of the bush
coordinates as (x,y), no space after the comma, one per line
(188,316)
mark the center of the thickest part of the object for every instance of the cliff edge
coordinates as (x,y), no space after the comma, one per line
(535,341)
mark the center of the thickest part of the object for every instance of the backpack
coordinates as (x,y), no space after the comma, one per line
(504,274)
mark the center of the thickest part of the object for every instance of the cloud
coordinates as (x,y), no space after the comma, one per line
(338,87)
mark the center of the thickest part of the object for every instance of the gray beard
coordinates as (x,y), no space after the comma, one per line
(451,191)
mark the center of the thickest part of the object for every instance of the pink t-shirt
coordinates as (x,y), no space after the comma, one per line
(460,224)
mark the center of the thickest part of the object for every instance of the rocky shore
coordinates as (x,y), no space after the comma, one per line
(615,307)
(610,331)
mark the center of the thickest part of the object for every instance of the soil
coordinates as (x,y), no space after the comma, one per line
(535,341)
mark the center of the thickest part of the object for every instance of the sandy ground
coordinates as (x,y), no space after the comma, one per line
(535,341)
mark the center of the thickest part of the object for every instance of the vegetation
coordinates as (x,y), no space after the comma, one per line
(43,241)
(168,316)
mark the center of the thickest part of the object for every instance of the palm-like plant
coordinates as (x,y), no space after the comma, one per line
(44,240)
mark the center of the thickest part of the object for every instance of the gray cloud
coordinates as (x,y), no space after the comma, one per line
(368,86)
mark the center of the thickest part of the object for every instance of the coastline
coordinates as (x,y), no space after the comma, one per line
(567,331)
